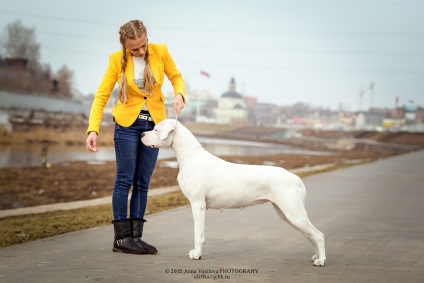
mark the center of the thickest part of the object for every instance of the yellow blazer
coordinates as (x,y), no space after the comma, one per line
(160,62)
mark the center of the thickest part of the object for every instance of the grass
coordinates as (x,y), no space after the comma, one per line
(26,228)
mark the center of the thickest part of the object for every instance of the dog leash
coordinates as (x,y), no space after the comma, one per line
(176,119)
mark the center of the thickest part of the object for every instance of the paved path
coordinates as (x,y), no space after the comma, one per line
(372,216)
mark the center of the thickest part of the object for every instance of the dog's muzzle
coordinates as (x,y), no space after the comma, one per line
(142,135)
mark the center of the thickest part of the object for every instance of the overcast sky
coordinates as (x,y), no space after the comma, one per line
(321,52)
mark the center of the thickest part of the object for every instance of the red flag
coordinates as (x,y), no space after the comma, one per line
(203,73)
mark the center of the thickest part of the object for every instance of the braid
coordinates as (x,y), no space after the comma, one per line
(122,90)
(141,29)
(131,30)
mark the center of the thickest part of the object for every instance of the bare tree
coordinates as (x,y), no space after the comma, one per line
(20,42)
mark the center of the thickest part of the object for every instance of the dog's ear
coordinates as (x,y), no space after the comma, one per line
(169,127)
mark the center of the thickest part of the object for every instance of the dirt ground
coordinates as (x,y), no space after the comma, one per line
(71,181)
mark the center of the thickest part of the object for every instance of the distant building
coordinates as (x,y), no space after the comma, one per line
(250,101)
(200,107)
(14,74)
(264,114)
(370,120)
(17,76)
(231,107)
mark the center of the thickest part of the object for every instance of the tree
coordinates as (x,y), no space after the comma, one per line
(20,42)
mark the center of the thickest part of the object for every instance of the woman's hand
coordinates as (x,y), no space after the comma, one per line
(91,142)
(178,103)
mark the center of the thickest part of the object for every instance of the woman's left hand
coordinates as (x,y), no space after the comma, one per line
(178,103)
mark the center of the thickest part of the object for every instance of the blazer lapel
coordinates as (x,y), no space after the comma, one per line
(154,67)
(129,72)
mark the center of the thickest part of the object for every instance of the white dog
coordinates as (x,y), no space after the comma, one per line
(238,185)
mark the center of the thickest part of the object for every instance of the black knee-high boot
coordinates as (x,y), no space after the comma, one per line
(123,242)
(137,232)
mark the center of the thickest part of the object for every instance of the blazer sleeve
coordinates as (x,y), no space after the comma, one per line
(174,75)
(102,95)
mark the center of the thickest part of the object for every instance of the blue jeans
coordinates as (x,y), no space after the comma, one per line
(134,167)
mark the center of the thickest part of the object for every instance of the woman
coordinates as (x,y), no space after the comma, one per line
(139,70)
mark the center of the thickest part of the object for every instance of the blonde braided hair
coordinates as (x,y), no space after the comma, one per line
(132,30)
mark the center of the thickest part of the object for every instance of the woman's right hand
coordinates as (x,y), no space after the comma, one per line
(91,142)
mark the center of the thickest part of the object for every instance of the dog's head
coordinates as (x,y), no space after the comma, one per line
(162,135)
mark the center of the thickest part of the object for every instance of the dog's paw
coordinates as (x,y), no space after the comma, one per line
(314,257)
(193,254)
(319,262)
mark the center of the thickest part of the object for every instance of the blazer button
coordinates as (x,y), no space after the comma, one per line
(145,97)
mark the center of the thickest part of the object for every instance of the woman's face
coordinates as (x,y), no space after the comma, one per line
(138,46)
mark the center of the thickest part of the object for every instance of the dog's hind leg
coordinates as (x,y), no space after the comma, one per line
(298,219)
(198,208)
(283,216)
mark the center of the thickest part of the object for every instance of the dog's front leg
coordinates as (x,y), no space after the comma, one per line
(198,208)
